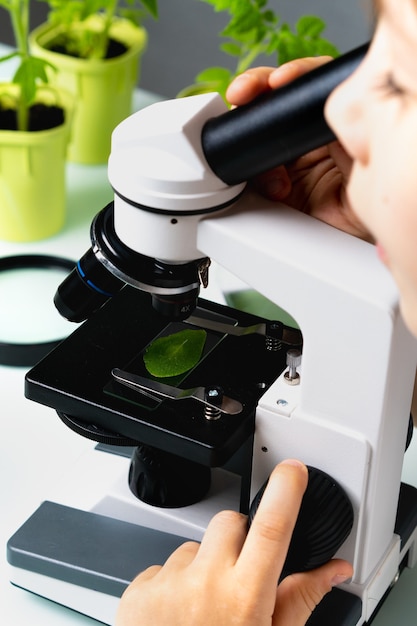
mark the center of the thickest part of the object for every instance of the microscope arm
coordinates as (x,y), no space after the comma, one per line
(349,415)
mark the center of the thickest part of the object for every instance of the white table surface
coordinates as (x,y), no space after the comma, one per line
(35,446)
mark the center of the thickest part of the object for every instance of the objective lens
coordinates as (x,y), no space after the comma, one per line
(86,289)
(176,307)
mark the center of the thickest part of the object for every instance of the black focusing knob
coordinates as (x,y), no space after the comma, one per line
(324,523)
(166,480)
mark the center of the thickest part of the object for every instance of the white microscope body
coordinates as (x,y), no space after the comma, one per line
(349,414)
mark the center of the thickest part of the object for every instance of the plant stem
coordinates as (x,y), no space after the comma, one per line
(108,18)
(246,61)
(19,13)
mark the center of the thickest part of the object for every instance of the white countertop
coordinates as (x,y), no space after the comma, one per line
(35,445)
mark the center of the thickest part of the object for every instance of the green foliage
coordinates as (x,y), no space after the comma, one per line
(31,70)
(84,37)
(174,354)
(254,29)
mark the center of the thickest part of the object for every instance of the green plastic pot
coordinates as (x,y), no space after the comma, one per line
(102,89)
(32,178)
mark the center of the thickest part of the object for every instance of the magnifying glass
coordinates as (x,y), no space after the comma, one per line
(30,325)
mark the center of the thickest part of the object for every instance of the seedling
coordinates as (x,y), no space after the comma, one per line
(255,29)
(85,37)
(31,70)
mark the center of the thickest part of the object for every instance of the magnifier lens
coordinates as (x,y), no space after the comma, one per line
(30,325)
(27,311)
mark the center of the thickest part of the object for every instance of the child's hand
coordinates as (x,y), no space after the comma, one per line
(315,183)
(231,578)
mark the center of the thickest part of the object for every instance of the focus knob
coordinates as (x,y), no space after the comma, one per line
(164,479)
(323,524)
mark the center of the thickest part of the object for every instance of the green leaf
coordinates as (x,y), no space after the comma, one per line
(9,56)
(255,29)
(174,354)
(213,74)
(30,71)
(325,47)
(233,49)
(270,17)
(310,26)
(25,77)
(218,5)
(152,7)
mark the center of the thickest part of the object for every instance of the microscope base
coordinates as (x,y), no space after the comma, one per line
(84,560)
(91,577)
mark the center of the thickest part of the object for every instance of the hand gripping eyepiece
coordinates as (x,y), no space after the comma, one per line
(276,127)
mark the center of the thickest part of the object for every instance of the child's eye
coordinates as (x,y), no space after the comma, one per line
(389,87)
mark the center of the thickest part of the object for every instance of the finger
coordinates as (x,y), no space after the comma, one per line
(266,545)
(294,69)
(182,556)
(223,539)
(274,184)
(257,80)
(132,596)
(299,594)
(248,85)
(341,158)
(147,574)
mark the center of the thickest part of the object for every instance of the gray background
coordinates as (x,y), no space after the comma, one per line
(185,38)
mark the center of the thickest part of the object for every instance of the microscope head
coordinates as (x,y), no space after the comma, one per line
(146,238)
(177,163)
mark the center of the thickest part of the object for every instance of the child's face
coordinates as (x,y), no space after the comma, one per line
(374,114)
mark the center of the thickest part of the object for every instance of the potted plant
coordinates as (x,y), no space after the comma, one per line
(96,47)
(34,134)
(254,29)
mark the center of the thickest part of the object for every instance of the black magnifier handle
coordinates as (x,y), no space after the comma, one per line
(276,127)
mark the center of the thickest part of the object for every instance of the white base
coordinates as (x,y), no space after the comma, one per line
(100,606)
(98,483)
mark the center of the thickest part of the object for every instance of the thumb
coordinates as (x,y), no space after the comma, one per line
(299,594)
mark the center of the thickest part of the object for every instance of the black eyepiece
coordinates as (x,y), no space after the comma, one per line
(277,127)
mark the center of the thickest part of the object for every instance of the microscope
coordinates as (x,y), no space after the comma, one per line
(333,389)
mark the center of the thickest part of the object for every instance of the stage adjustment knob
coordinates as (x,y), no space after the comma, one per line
(324,523)
(165,479)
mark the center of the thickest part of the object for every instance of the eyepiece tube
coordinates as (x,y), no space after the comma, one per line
(276,127)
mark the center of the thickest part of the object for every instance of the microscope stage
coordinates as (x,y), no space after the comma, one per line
(76,379)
